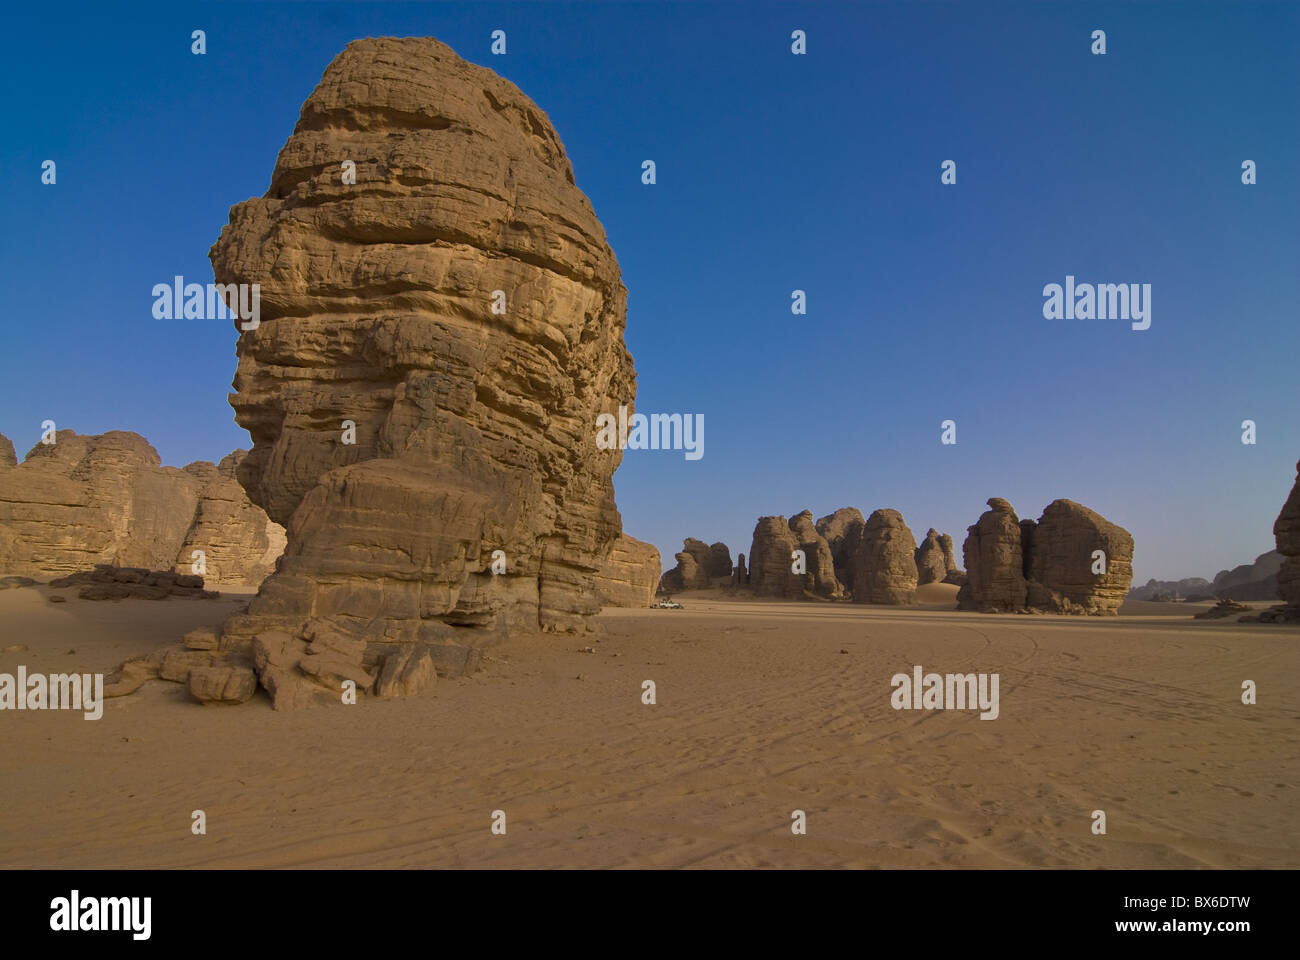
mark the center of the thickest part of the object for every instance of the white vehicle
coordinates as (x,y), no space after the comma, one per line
(667,603)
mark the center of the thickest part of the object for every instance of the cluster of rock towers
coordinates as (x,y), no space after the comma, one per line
(1072,560)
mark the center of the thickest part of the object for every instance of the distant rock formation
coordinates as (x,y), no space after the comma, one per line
(843,532)
(1164,590)
(821,580)
(741,575)
(83,501)
(719,560)
(931,567)
(945,545)
(694,570)
(770,573)
(629,575)
(885,561)
(8,458)
(1250,581)
(1048,566)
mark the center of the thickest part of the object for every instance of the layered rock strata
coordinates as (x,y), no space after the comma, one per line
(629,575)
(85,501)
(1071,561)
(884,562)
(436,342)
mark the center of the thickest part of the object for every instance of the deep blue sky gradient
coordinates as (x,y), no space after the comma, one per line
(775,172)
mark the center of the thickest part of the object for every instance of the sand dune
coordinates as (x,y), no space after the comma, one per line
(763,708)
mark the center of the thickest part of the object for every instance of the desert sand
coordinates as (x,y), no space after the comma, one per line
(764,707)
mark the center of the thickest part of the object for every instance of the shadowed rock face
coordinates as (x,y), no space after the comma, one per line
(945,545)
(84,501)
(843,532)
(931,566)
(719,560)
(474,430)
(1249,581)
(1046,566)
(629,574)
(1286,529)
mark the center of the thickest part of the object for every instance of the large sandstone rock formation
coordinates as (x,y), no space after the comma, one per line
(994,561)
(945,545)
(694,568)
(821,579)
(1063,556)
(460,306)
(629,575)
(1046,566)
(83,501)
(1286,530)
(885,561)
(931,567)
(239,543)
(843,533)
(770,573)
(719,560)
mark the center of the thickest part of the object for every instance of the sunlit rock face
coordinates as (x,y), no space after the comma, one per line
(459,306)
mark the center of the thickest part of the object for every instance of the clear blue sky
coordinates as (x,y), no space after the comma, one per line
(775,172)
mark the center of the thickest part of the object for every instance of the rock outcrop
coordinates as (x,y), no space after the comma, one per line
(1048,566)
(239,544)
(741,575)
(770,559)
(843,533)
(945,545)
(1079,562)
(994,561)
(83,501)
(436,342)
(629,575)
(8,458)
(1225,607)
(719,560)
(694,568)
(931,567)
(884,564)
(821,579)
(1250,581)
(1286,530)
